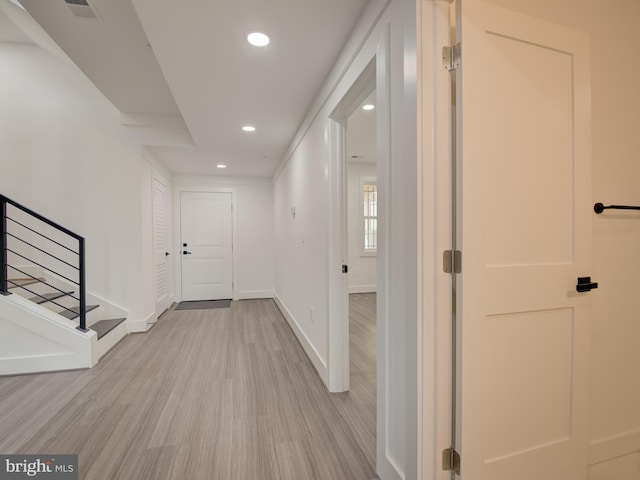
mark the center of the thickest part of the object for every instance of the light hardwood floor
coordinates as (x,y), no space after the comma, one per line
(222,394)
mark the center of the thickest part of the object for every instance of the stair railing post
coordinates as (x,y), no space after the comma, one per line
(4,290)
(83,301)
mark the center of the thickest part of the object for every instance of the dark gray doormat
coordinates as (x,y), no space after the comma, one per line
(203,305)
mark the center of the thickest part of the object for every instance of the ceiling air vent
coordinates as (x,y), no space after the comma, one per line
(81,8)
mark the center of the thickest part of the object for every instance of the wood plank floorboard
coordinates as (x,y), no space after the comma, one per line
(222,394)
(359,404)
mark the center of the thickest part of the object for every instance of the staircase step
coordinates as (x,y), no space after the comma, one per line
(47,297)
(105,326)
(23,282)
(75,311)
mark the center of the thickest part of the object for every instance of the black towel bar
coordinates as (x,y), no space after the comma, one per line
(599,207)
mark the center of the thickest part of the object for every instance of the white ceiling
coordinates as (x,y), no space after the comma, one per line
(187,65)
(10,33)
(361,133)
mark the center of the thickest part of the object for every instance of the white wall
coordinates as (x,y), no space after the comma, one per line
(65,155)
(301,241)
(253,209)
(615,416)
(362,268)
(304,181)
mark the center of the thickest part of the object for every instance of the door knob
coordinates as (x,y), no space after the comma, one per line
(186,253)
(166,254)
(585,284)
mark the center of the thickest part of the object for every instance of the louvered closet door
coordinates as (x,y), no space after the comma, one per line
(161,245)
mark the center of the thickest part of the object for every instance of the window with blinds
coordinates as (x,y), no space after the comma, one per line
(370,203)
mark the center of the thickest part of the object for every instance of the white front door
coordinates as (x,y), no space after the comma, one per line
(206,246)
(524,229)
(160,245)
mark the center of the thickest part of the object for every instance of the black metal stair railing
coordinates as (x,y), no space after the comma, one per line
(27,248)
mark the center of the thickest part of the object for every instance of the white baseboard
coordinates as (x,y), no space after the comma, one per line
(312,353)
(614,446)
(142,326)
(362,289)
(252,294)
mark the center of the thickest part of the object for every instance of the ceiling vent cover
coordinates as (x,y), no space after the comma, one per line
(81,8)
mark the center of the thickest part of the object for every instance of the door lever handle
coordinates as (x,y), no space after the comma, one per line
(585,284)
(184,252)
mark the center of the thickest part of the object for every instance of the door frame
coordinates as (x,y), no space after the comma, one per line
(177,192)
(435,333)
(338,365)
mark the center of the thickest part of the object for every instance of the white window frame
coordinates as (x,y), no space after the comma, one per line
(364,252)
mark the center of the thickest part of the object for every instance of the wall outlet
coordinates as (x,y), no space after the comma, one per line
(311,314)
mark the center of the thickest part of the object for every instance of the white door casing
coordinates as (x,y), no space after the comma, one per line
(435,236)
(160,244)
(338,285)
(524,213)
(206,229)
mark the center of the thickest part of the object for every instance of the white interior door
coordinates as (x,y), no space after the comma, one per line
(161,244)
(523,105)
(206,246)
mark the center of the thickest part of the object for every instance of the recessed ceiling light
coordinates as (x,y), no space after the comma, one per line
(221,165)
(258,39)
(368,106)
(249,128)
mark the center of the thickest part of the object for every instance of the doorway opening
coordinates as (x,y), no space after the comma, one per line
(354,303)
(361,188)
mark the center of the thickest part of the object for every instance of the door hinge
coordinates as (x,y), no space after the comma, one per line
(452,261)
(452,57)
(451,461)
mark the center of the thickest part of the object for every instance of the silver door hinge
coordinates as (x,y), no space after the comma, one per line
(452,57)
(452,261)
(451,461)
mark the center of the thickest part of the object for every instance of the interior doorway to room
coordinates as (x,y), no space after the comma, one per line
(362,230)
(362,197)
(361,212)
(358,360)
(206,246)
